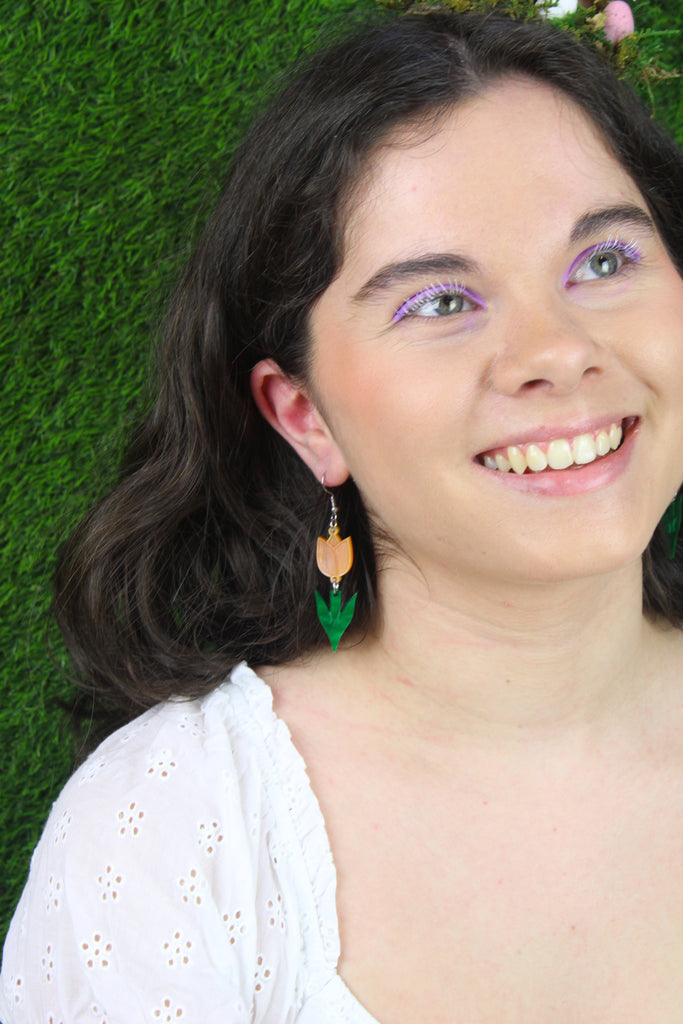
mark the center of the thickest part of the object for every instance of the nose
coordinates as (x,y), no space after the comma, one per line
(546,349)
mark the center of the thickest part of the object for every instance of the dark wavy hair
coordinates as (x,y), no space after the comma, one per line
(203,554)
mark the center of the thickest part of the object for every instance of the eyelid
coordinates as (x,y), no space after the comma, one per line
(629,250)
(433,291)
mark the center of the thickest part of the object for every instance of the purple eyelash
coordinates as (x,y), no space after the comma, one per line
(629,250)
(433,292)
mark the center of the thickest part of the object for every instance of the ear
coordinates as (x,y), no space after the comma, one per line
(290,410)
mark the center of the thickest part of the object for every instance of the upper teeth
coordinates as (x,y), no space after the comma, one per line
(560,453)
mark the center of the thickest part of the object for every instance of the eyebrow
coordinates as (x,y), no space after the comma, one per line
(430,263)
(626,214)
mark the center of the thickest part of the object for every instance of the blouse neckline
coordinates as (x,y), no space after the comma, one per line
(305,814)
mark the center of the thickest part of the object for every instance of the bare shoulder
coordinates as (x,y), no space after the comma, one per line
(323,687)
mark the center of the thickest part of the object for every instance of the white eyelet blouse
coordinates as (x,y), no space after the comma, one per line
(184,875)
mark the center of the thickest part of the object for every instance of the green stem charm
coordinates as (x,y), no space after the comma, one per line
(335,620)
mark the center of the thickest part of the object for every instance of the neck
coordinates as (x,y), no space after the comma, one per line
(523,660)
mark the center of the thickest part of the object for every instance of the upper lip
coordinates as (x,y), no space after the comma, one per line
(543,432)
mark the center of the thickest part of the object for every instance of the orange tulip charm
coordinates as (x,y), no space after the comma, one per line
(334,555)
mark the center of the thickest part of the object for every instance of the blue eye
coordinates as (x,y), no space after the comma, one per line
(602,261)
(439,300)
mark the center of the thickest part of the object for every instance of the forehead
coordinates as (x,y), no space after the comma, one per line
(519,150)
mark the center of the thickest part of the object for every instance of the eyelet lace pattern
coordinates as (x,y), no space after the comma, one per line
(184,875)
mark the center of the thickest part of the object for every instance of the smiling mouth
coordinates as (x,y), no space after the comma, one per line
(558,453)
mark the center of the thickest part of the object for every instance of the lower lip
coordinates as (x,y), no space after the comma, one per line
(575,480)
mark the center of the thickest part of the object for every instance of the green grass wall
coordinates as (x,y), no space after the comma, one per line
(116,119)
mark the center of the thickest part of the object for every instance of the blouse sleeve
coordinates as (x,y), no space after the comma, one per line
(149,898)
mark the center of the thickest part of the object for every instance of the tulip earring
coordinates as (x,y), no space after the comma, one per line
(335,557)
(671,523)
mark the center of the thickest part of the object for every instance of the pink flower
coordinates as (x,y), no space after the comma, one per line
(619,21)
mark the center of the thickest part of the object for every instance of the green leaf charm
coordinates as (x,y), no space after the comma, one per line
(335,620)
(671,522)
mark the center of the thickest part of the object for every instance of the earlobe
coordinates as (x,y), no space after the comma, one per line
(289,409)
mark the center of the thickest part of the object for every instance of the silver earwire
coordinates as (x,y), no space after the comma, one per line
(333,521)
(333,511)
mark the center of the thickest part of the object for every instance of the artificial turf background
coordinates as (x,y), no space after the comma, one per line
(116,121)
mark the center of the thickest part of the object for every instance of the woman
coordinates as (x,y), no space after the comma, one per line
(443,280)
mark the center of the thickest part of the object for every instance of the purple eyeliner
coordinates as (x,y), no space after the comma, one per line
(629,250)
(433,292)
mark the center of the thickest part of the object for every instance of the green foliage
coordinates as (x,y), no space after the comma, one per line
(671,523)
(651,56)
(519,10)
(117,117)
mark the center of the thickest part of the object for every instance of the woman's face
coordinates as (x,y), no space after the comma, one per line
(505,301)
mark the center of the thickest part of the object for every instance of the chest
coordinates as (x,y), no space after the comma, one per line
(461,908)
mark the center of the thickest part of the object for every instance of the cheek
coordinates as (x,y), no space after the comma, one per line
(647,332)
(658,337)
(369,411)
(395,403)
(401,433)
